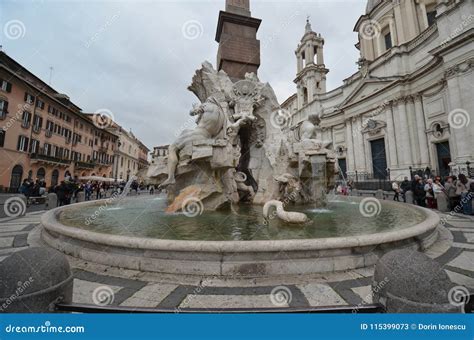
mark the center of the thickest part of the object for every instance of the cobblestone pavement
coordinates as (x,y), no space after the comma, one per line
(454,250)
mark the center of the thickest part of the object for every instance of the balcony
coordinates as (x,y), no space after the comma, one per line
(68,140)
(48,133)
(84,165)
(50,160)
(25,125)
(36,129)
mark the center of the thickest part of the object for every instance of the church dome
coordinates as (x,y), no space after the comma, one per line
(371,4)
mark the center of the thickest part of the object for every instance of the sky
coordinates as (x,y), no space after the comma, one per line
(136,58)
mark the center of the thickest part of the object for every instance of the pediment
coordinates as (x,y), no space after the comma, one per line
(366,88)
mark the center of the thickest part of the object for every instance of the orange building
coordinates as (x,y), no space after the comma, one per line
(44,135)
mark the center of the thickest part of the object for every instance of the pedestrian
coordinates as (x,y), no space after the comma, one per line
(396,190)
(405,186)
(450,190)
(465,188)
(438,189)
(88,190)
(414,184)
(419,193)
(430,196)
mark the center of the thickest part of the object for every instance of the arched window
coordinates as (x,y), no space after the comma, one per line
(41,173)
(17,175)
(54,177)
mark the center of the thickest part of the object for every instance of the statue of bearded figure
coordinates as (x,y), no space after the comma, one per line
(212,123)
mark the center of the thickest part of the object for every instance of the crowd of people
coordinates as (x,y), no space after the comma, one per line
(68,189)
(459,192)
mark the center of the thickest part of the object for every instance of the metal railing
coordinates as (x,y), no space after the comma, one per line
(87,308)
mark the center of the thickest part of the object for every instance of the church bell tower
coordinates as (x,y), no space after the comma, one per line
(239,48)
(311,71)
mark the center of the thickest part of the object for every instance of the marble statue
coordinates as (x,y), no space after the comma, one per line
(235,153)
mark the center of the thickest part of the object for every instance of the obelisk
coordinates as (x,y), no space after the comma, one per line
(239,48)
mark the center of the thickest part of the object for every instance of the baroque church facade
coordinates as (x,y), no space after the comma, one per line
(410,105)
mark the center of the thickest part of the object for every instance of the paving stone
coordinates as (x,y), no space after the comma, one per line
(469,237)
(463,245)
(464,261)
(321,295)
(460,279)
(6,242)
(151,294)
(229,301)
(83,290)
(365,272)
(364,292)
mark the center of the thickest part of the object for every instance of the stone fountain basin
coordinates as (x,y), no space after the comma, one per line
(237,258)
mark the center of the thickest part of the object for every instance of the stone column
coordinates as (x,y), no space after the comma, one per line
(460,134)
(421,134)
(424,16)
(359,150)
(402,131)
(299,90)
(350,147)
(392,143)
(399,23)
(320,55)
(411,19)
(393,31)
(309,54)
(299,61)
(415,147)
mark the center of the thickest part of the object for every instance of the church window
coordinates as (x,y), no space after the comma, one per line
(431,17)
(388,40)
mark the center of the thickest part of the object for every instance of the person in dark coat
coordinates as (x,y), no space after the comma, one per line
(405,186)
(419,193)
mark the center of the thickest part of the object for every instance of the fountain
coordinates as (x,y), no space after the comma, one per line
(239,157)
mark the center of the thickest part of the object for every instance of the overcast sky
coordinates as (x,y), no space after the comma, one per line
(136,58)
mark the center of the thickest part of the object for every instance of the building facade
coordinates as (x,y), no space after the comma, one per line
(131,155)
(44,135)
(409,106)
